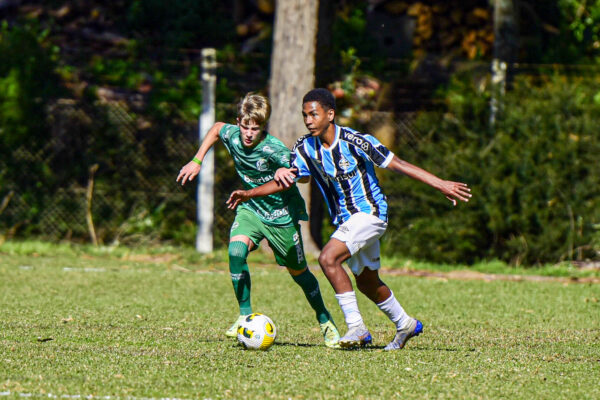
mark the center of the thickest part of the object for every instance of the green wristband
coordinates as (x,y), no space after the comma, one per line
(197,161)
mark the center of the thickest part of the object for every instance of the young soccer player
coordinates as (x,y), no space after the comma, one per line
(342,160)
(257,155)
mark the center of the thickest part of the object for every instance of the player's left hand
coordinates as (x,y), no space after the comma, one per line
(235,198)
(456,191)
(285,176)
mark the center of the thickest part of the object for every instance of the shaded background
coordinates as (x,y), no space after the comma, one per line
(99,106)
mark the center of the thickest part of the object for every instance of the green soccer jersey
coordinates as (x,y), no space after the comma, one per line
(257,166)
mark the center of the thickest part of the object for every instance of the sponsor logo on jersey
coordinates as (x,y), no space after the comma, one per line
(260,179)
(343,177)
(267,149)
(236,141)
(362,143)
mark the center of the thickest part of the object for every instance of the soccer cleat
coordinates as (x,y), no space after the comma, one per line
(358,336)
(414,328)
(232,331)
(330,334)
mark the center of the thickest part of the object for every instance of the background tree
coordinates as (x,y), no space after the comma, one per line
(292,75)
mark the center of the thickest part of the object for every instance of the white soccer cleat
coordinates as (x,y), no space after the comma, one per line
(414,328)
(358,336)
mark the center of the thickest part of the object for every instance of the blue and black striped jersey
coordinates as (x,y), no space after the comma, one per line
(345,172)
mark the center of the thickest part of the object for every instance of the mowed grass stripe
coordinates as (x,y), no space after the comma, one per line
(159,333)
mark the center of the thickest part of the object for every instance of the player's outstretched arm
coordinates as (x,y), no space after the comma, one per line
(192,168)
(452,190)
(241,196)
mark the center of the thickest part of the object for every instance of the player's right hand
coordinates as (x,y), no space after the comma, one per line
(235,198)
(188,172)
(285,176)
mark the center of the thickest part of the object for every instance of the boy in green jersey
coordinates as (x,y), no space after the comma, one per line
(257,155)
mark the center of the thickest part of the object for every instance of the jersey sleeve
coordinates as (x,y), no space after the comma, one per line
(300,162)
(373,150)
(280,158)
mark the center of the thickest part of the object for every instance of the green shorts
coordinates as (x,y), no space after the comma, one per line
(286,241)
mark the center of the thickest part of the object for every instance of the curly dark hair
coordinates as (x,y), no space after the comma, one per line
(323,96)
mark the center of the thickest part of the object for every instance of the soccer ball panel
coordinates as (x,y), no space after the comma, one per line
(257,332)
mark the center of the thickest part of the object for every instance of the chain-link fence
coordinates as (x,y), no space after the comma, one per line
(103,175)
(106,172)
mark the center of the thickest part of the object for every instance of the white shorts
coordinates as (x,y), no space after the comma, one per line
(361,233)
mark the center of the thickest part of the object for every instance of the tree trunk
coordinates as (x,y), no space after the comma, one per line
(324,75)
(292,75)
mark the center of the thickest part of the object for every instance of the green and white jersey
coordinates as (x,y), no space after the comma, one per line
(256,167)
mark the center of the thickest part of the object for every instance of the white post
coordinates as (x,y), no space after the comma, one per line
(204,237)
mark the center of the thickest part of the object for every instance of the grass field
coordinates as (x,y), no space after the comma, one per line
(119,323)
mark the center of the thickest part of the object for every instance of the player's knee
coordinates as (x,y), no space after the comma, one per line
(238,250)
(326,260)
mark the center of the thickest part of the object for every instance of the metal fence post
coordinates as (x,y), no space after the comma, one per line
(204,236)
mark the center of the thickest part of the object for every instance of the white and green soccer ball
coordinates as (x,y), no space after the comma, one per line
(257,332)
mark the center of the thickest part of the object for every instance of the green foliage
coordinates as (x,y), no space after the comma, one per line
(27,82)
(565,31)
(583,20)
(533,178)
(351,38)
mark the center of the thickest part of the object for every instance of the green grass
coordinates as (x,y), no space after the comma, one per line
(149,323)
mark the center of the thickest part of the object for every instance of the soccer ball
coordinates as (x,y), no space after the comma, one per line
(256,332)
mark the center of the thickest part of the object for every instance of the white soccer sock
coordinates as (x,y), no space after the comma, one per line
(394,312)
(350,309)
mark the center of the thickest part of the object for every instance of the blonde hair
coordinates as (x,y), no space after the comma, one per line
(254,107)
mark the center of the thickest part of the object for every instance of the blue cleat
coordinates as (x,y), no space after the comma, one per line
(414,328)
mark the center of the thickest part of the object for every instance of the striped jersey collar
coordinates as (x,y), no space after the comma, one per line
(335,141)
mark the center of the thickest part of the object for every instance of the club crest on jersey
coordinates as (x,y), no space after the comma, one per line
(236,141)
(343,163)
(261,165)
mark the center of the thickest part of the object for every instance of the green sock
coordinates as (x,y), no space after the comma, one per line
(310,286)
(240,275)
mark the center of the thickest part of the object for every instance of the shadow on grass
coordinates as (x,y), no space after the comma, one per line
(295,344)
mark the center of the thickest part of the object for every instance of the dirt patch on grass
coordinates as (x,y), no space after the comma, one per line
(474,275)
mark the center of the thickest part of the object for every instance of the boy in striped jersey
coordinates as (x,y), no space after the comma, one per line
(342,162)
